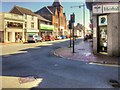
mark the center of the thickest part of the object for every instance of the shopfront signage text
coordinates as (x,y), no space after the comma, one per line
(106,8)
(111,8)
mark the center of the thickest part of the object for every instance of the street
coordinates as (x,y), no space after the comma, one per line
(37,59)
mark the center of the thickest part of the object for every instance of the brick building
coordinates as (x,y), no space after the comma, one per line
(55,14)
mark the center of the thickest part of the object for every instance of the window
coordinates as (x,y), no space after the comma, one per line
(32,18)
(25,24)
(14,25)
(25,16)
(32,25)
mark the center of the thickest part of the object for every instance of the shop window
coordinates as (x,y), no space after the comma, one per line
(14,25)
(103,39)
(103,33)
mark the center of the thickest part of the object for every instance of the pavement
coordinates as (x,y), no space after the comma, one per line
(14,82)
(84,52)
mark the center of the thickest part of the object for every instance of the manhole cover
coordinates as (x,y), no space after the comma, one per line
(26,79)
(114,83)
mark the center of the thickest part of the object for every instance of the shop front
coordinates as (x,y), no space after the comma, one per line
(13,35)
(106,33)
(46,29)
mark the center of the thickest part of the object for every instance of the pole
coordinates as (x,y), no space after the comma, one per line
(73,40)
(70,37)
(84,18)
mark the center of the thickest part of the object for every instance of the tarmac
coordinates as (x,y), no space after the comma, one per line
(84,52)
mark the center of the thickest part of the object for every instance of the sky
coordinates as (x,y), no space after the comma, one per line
(36,5)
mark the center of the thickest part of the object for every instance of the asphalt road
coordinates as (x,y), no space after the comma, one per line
(56,72)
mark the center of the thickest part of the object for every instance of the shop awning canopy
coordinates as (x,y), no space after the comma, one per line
(46,27)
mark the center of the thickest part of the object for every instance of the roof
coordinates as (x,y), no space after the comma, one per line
(42,18)
(45,12)
(52,9)
(24,10)
(57,3)
(78,27)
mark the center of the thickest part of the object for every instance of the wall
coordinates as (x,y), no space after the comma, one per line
(119,32)
(1,28)
(113,35)
(29,20)
(95,34)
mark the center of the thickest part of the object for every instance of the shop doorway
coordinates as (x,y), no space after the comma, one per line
(18,37)
(103,40)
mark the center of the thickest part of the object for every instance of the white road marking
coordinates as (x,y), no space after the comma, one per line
(110,65)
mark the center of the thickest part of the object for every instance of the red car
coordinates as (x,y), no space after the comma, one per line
(49,38)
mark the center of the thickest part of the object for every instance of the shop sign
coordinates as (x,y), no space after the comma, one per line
(97,9)
(111,8)
(33,31)
(102,20)
(46,27)
(106,8)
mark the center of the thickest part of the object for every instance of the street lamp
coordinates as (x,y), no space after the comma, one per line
(83,15)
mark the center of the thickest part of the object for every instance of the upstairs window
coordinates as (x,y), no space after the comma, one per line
(32,25)
(32,18)
(25,24)
(25,16)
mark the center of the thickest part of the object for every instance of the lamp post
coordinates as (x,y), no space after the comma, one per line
(83,5)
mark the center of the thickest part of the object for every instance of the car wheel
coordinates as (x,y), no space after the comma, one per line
(35,41)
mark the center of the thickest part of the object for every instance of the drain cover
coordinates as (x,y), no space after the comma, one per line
(114,83)
(26,79)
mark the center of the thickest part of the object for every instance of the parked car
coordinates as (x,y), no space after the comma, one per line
(67,36)
(49,38)
(58,38)
(63,37)
(34,38)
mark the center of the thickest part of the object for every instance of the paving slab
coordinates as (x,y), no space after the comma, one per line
(83,52)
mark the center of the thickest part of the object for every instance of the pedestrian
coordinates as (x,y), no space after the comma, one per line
(20,38)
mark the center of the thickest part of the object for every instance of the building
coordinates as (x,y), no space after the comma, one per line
(106,27)
(45,26)
(11,27)
(30,20)
(78,30)
(55,14)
